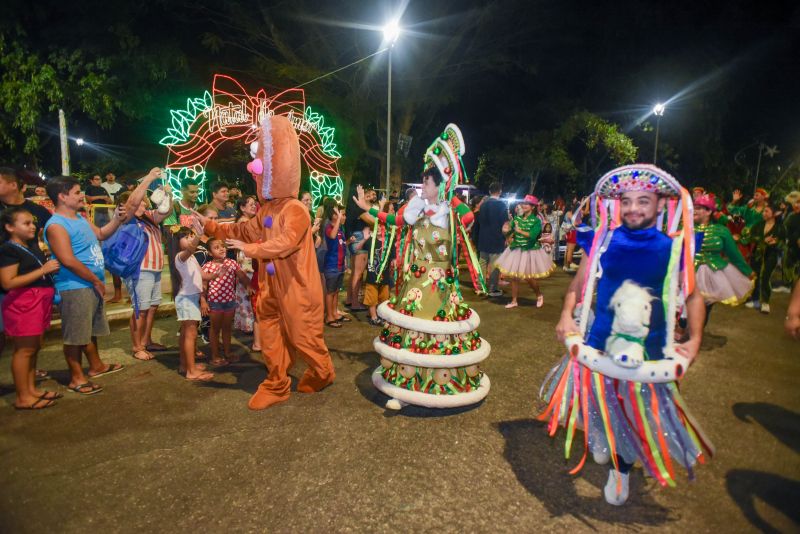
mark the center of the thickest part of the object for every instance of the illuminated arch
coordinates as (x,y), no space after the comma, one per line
(229,113)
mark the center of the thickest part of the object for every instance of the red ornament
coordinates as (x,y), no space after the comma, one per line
(422,269)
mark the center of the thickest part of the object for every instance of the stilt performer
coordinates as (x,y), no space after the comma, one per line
(289,301)
(619,380)
(430,347)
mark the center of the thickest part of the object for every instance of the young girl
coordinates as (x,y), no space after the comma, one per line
(524,258)
(333,270)
(546,239)
(221,299)
(188,303)
(26,308)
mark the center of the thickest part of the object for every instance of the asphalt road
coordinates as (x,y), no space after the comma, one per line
(155,452)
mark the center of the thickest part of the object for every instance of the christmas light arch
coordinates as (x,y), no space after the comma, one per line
(229,113)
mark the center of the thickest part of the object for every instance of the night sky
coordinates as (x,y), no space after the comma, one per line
(728,70)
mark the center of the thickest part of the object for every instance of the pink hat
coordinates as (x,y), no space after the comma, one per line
(706,201)
(530,199)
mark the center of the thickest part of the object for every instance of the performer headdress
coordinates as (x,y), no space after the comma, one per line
(445,154)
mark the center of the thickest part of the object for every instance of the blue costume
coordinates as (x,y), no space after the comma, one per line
(651,248)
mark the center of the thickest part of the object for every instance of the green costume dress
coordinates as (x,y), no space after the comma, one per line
(524,258)
(430,347)
(722,274)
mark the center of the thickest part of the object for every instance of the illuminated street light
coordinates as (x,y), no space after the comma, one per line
(391,31)
(79,141)
(658,111)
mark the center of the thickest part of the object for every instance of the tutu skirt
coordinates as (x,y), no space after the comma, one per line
(728,286)
(632,420)
(524,264)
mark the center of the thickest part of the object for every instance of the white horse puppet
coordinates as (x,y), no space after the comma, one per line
(631,305)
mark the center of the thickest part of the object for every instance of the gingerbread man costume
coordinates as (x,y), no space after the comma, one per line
(289,303)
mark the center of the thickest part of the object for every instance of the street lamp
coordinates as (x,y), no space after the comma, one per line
(79,141)
(391,31)
(658,111)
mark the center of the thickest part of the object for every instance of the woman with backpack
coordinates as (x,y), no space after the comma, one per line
(146,289)
(28,304)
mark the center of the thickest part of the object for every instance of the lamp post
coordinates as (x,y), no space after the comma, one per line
(658,111)
(391,31)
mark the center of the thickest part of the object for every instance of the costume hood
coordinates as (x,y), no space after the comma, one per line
(276,168)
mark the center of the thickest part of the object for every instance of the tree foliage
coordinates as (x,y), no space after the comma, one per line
(33,86)
(562,160)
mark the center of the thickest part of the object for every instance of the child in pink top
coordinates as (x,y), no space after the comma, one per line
(221,299)
(546,238)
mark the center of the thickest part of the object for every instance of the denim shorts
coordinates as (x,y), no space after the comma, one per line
(148,289)
(188,307)
(359,236)
(223,307)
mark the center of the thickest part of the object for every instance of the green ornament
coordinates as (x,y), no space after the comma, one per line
(393,300)
(422,344)
(397,338)
(409,307)
(449,279)
(444,136)
(414,267)
(440,313)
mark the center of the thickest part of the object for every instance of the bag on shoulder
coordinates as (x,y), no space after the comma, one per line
(124,250)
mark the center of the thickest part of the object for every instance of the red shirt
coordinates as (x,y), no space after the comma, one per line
(222,289)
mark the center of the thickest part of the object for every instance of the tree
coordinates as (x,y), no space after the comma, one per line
(33,85)
(563,160)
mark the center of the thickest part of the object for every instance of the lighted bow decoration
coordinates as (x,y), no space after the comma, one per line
(229,113)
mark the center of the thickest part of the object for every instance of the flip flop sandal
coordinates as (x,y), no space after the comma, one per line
(511,305)
(540,301)
(221,362)
(208,378)
(334,324)
(344,319)
(94,388)
(155,347)
(37,404)
(111,369)
(55,395)
(140,358)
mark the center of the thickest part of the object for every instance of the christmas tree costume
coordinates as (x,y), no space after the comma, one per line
(719,279)
(619,381)
(525,258)
(430,347)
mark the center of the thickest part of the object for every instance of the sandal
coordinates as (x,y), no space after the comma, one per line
(37,404)
(540,301)
(219,362)
(112,368)
(255,349)
(511,305)
(375,322)
(146,358)
(334,324)
(53,395)
(204,377)
(93,388)
(343,319)
(155,347)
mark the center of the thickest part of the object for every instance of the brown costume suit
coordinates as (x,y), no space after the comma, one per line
(289,307)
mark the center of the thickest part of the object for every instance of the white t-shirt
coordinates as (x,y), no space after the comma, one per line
(191,275)
(112,189)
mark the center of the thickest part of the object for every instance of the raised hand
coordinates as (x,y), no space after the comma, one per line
(737,195)
(235,244)
(359,199)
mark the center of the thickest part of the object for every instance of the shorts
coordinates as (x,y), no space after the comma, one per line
(148,289)
(375,294)
(27,311)
(572,237)
(352,246)
(333,281)
(223,307)
(83,316)
(188,307)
